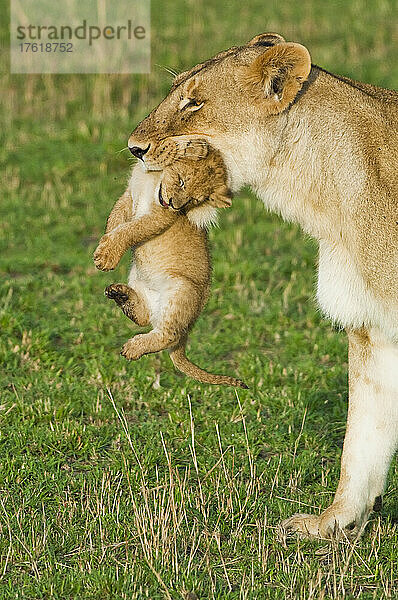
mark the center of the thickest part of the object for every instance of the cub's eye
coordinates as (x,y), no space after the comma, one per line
(181,182)
(191,104)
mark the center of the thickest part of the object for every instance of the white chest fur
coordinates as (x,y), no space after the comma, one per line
(143,189)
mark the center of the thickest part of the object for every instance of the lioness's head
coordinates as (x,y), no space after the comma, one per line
(189,183)
(225,100)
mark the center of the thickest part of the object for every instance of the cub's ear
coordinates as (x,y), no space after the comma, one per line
(221,198)
(266,39)
(194,149)
(277,75)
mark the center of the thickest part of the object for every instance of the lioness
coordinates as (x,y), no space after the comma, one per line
(322,150)
(170,277)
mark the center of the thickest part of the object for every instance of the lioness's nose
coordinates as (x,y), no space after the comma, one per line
(139,152)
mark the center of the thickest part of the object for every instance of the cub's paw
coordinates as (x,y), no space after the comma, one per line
(134,348)
(119,292)
(107,254)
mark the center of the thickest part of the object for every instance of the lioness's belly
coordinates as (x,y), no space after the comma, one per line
(344,296)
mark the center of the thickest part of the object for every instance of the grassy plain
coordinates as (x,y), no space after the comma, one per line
(130,481)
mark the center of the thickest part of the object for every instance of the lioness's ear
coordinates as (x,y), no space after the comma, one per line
(266,39)
(277,75)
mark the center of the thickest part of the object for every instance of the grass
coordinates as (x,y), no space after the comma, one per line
(130,481)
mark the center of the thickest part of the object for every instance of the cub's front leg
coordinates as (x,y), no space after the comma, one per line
(121,212)
(114,244)
(109,250)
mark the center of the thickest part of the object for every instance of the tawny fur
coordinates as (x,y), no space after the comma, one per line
(321,150)
(170,277)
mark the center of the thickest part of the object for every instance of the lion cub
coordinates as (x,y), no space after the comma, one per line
(162,215)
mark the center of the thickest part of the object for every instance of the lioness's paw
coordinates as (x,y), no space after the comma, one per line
(304,526)
(331,524)
(107,254)
(133,349)
(119,292)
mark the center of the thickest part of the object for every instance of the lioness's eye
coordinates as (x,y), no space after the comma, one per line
(181,182)
(190,104)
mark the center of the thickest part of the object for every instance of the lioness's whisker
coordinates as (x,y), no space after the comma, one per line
(168,70)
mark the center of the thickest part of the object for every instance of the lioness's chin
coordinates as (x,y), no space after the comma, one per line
(148,167)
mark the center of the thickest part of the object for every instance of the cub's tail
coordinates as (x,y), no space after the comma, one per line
(182,363)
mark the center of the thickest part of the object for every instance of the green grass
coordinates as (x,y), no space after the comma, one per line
(130,481)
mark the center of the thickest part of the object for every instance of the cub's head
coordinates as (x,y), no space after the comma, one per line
(189,183)
(230,100)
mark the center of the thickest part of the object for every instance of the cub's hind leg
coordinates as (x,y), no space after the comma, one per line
(181,308)
(130,301)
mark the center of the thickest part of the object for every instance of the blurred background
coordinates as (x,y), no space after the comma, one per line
(63,150)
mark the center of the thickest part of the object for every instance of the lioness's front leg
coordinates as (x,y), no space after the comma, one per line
(371,438)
